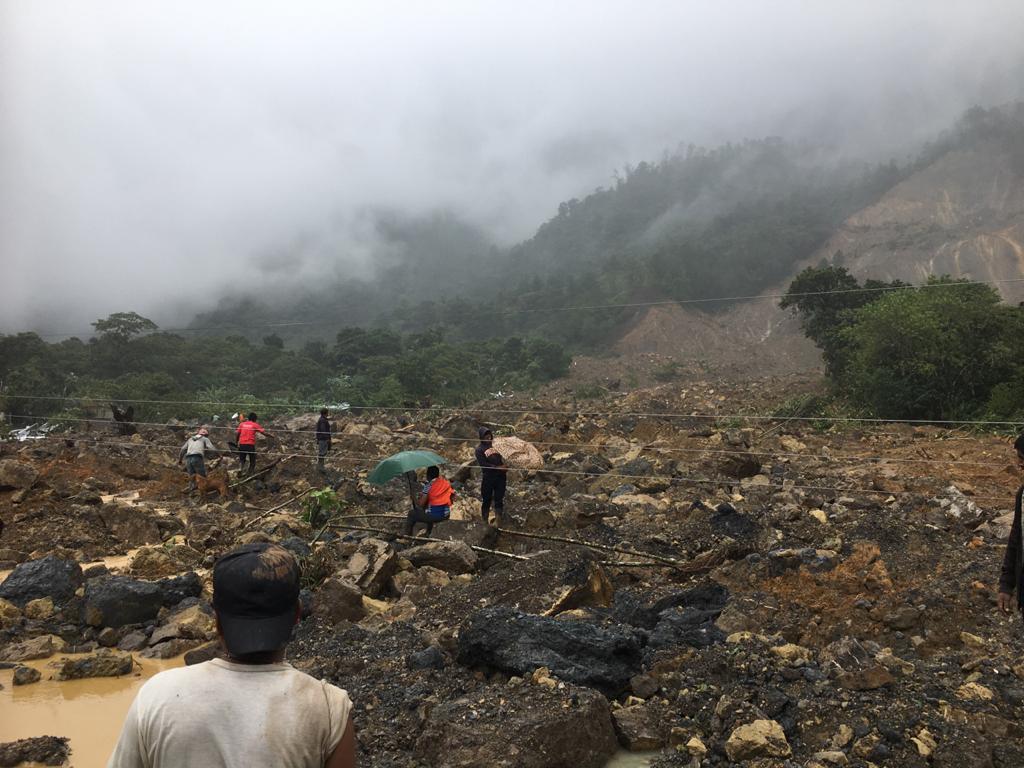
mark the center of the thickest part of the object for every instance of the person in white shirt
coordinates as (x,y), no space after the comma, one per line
(249,709)
(194,453)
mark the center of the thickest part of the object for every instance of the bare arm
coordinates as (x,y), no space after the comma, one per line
(344,755)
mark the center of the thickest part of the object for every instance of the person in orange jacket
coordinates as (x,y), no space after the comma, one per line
(434,504)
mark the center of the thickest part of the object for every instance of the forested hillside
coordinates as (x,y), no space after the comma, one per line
(448,317)
(700,222)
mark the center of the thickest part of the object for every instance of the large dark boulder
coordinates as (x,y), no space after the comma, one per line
(177,588)
(709,598)
(507,639)
(686,626)
(116,601)
(543,729)
(48,577)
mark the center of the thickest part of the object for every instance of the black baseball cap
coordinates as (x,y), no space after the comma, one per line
(255,594)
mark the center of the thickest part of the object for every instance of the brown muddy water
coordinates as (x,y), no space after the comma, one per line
(89,712)
(631,759)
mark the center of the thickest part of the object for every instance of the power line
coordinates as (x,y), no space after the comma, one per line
(398,435)
(540,412)
(588,307)
(697,481)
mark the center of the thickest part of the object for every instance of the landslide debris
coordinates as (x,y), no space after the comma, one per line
(783,594)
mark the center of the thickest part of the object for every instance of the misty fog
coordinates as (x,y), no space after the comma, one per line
(155,156)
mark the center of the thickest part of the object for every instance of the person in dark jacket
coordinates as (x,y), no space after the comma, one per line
(493,474)
(1013,560)
(323,438)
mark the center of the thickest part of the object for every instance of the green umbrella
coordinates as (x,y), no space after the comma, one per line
(403,462)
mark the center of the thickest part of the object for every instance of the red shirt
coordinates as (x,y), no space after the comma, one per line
(247,432)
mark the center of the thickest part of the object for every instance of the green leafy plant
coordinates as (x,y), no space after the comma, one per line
(318,507)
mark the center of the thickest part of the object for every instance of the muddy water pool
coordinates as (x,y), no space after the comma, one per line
(631,759)
(89,712)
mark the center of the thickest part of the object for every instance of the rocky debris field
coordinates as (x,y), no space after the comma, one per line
(725,591)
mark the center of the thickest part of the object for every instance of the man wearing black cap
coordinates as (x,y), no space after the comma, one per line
(493,473)
(249,708)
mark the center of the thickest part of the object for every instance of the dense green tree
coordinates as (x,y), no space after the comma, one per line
(825,298)
(931,353)
(122,326)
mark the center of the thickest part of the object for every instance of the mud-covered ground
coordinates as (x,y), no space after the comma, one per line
(765,592)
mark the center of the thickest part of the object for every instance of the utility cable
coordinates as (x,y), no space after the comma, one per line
(522,411)
(597,447)
(593,307)
(698,481)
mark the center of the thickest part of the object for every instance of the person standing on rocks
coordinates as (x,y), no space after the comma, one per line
(246,433)
(1012,575)
(323,439)
(249,709)
(493,475)
(194,453)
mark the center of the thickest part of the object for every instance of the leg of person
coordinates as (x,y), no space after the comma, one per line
(246,453)
(486,494)
(416,515)
(499,502)
(321,453)
(190,468)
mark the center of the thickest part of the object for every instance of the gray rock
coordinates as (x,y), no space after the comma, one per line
(114,601)
(109,637)
(48,577)
(26,675)
(640,727)
(41,750)
(449,556)
(130,525)
(41,647)
(543,730)
(170,648)
(371,566)
(17,475)
(202,653)
(296,545)
(103,663)
(133,641)
(12,556)
(338,599)
(177,588)
(429,658)
(518,643)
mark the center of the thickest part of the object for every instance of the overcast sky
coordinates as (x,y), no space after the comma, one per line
(152,154)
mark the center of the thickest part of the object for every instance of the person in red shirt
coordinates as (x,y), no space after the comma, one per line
(246,433)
